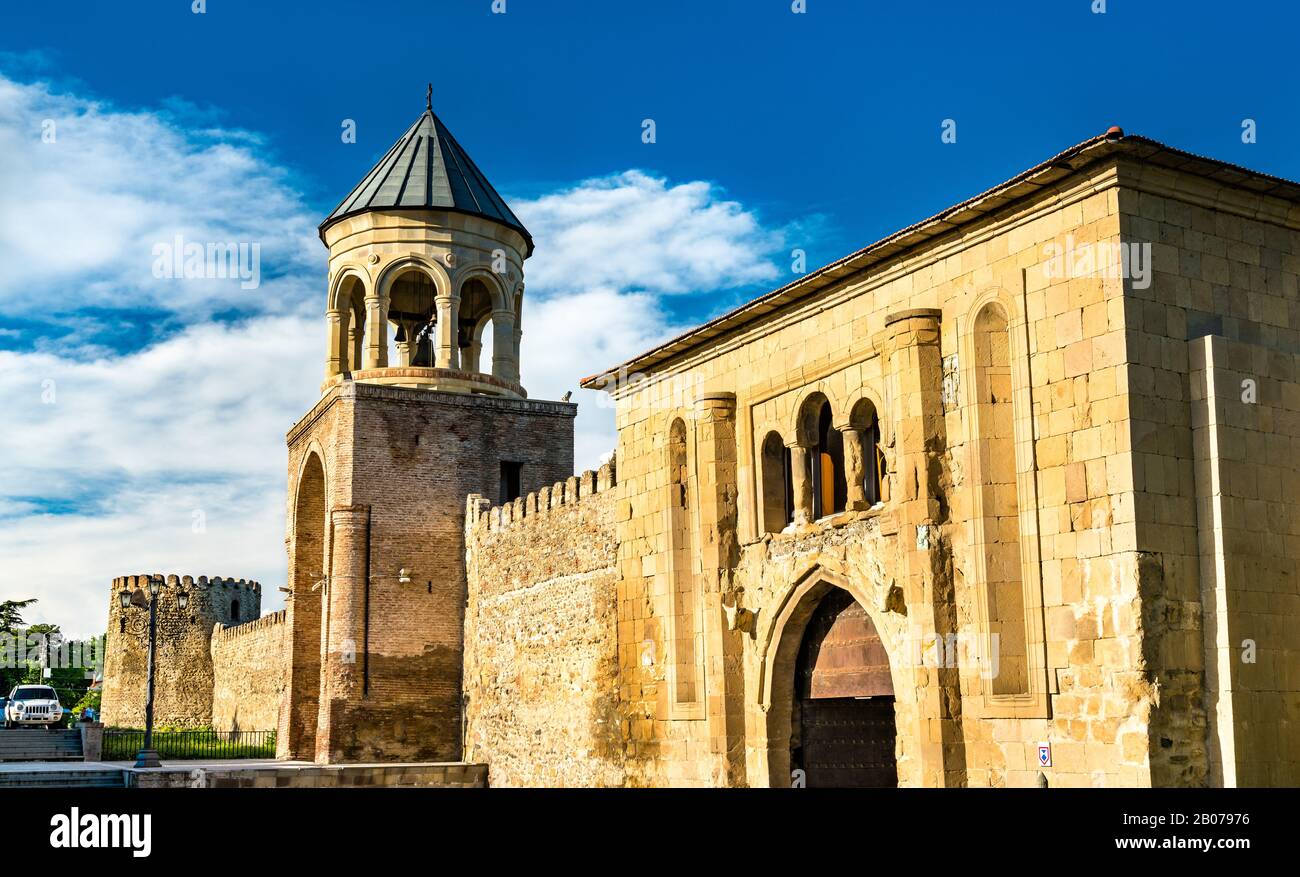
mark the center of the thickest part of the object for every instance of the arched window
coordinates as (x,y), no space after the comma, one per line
(999,514)
(830,489)
(864,429)
(778,491)
(821,485)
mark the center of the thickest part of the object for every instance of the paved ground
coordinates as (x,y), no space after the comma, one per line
(261,773)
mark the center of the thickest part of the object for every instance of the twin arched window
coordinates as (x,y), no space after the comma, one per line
(829,468)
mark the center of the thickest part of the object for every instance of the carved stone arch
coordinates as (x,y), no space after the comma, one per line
(441,281)
(797,429)
(779,641)
(501,301)
(337,284)
(829,572)
(856,409)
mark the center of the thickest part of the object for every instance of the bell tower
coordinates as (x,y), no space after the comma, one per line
(421,405)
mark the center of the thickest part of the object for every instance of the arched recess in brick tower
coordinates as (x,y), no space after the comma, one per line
(309,566)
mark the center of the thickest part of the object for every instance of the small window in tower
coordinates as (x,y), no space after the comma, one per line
(510,473)
(234,611)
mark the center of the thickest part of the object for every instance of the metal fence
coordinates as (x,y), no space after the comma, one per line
(122,745)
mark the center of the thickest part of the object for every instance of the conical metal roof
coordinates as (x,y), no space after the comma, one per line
(426,169)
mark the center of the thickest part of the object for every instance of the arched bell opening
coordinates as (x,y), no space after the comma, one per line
(412,318)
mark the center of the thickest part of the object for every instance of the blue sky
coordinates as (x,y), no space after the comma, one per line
(775,130)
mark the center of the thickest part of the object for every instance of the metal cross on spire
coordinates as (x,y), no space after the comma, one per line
(428,98)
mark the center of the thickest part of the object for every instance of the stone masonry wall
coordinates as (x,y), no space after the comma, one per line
(1246,441)
(1215,529)
(900,335)
(250,667)
(183,680)
(541,652)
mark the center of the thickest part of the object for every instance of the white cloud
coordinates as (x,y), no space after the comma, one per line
(108,461)
(633,231)
(105,478)
(568,337)
(607,248)
(81,215)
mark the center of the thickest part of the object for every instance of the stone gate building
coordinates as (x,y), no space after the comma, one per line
(1006,497)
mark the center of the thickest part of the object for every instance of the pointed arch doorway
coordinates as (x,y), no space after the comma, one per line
(842,729)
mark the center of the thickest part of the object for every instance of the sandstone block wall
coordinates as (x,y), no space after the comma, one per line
(1087,693)
(183,680)
(1213,492)
(250,669)
(1246,445)
(541,652)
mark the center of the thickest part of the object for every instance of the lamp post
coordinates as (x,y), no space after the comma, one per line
(148,756)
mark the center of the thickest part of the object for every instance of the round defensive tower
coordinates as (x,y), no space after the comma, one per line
(183,676)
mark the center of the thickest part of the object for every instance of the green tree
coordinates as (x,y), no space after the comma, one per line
(11,629)
(11,614)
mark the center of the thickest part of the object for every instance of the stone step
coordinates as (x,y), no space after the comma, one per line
(58,779)
(38,756)
(35,744)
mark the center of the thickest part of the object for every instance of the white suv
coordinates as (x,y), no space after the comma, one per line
(33,705)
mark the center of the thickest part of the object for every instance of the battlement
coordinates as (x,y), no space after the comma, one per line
(230,631)
(187,582)
(482,517)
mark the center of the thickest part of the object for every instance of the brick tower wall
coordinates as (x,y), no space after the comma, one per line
(399,465)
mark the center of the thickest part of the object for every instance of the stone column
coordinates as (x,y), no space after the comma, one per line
(376,332)
(717,491)
(334,342)
(344,663)
(855,467)
(801,482)
(505,358)
(447,354)
(912,344)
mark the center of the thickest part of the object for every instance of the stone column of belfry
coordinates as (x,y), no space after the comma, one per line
(717,491)
(801,484)
(505,359)
(343,662)
(334,340)
(447,352)
(912,344)
(376,332)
